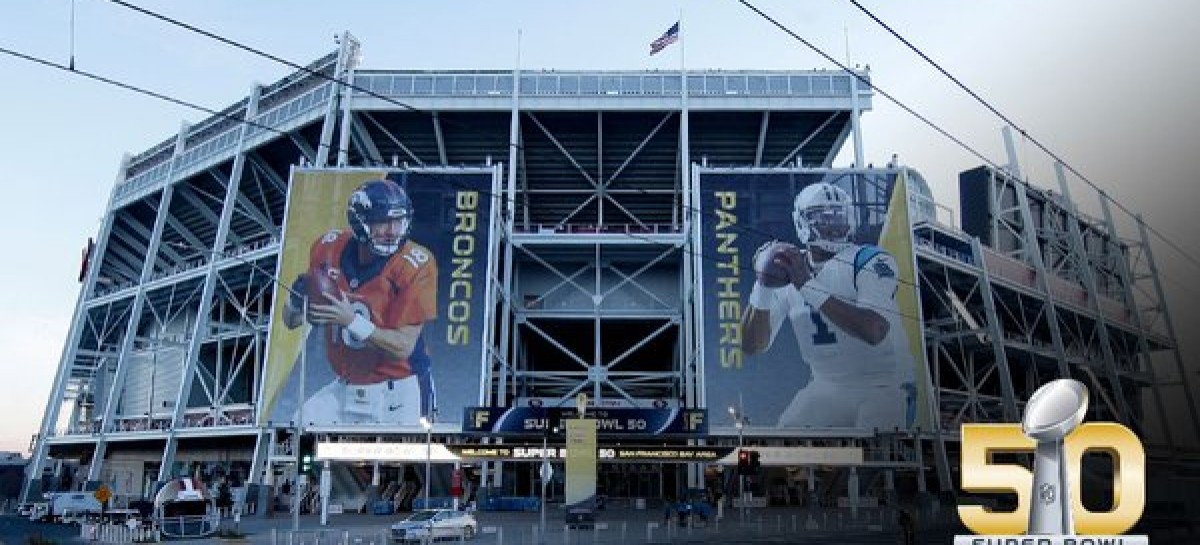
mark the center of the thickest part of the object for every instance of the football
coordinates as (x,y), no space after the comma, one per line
(778,270)
(322,282)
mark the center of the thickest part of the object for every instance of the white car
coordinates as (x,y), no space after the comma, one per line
(435,523)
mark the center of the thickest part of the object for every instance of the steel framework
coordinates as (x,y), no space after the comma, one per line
(594,292)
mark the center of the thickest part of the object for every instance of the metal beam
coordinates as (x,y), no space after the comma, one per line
(995,331)
(39,452)
(117,388)
(260,165)
(806,140)
(362,139)
(148,234)
(1170,326)
(394,139)
(437,136)
(558,145)
(1079,251)
(188,236)
(247,207)
(762,138)
(200,325)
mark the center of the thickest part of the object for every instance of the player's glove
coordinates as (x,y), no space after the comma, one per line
(296,294)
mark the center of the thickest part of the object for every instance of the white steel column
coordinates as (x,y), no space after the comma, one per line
(343,152)
(1033,253)
(997,335)
(200,327)
(344,61)
(1162,307)
(1131,306)
(70,346)
(135,314)
(1089,281)
(855,124)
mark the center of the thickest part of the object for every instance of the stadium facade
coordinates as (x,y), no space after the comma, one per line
(595,278)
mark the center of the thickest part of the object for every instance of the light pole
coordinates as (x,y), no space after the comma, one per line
(545,473)
(427,423)
(739,422)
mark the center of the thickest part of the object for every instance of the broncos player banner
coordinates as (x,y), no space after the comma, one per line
(809,300)
(379,318)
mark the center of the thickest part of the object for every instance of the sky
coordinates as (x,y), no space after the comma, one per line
(1109,85)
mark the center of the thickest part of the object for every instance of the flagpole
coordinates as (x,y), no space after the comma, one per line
(684,142)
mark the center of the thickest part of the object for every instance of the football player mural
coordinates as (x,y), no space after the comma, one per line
(370,290)
(845,360)
(365,325)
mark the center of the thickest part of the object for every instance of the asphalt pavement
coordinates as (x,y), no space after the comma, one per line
(615,526)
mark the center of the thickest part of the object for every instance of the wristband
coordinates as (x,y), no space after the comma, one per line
(762,297)
(360,328)
(814,294)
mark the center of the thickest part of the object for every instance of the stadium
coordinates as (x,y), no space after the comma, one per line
(596,238)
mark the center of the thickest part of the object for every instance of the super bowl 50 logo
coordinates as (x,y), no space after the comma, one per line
(1049,507)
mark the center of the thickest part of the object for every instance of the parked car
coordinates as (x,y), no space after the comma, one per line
(435,523)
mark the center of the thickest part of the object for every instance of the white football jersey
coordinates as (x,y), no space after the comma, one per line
(864,276)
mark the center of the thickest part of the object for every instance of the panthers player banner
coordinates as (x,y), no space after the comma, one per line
(378,318)
(809,303)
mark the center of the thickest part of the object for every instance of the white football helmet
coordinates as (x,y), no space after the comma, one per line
(824,217)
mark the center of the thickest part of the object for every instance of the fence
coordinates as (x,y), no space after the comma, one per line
(118,533)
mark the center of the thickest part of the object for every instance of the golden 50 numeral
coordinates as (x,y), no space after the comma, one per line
(979,475)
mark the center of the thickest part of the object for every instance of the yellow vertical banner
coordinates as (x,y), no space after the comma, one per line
(581,462)
(896,239)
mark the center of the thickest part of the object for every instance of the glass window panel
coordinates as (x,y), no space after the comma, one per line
(568,84)
(528,85)
(714,84)
(504,84)
(381,84)
(735,83)
(485,84)
(464,85)
(820,85)
(589,84)
(670,85)
(756,84)
(443,85)
(547,85)
(401,85)
(841,85)
(422,85)
(652,84)
(800,85)
(610,84)
(631,84)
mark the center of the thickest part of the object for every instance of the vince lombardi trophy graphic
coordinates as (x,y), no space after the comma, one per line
(1054,411)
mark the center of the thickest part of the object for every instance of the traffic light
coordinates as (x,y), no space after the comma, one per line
(744,461)
(755,464)
(307,447)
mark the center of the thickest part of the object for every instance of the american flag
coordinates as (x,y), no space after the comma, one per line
(669,37)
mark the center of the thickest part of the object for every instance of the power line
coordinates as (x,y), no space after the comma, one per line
(525,201)
(1008,121)
(690,210)
(498,196)
(937,128)
(134,88)
(295,66)
(336,81)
